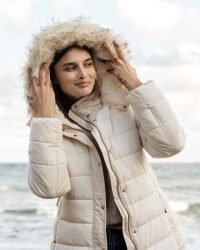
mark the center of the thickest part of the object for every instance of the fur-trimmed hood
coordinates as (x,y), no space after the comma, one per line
(60,35)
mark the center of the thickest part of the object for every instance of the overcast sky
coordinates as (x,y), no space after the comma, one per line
(164,38)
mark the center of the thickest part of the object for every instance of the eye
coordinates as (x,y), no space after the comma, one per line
(89,64)
(70,68)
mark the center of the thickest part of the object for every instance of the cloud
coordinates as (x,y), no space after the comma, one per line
(186,3)
(15,15)
(182,54)
(155,23)
(190,53)
(152,15)
(164,38)
(13,129)
(67,8)
(181,78)
(69,3)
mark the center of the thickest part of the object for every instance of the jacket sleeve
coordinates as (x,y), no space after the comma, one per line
(160,132)
(48,175)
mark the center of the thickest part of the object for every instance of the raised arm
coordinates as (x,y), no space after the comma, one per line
(48,175)
(159,129)
(160,132)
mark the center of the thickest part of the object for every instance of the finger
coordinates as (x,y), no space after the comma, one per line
(29,73)
(48,80)
(111,70)
(30,78)
(109,51)
(118,50)
(42,75)
(30,102)
(104,61)
(31,105)
(29,98)
(109,65)
(34,85)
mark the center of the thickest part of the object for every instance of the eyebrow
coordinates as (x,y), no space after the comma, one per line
(72,63)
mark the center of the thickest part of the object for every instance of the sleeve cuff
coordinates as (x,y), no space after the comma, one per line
(144,96)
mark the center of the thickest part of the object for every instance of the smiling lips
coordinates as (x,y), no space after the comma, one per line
(82,84)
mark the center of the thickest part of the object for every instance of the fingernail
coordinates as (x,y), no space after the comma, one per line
(43,64)
(109,70)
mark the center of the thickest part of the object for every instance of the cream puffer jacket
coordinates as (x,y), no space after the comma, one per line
(65,164)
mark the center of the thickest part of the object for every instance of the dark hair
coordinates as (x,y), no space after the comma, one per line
(63,100)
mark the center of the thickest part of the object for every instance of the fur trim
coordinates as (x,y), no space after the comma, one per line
(60,35)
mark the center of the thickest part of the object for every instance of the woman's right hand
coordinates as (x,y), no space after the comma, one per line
(43,100)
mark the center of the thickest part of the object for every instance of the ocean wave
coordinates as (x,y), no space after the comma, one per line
(14,188)
(4,188)
(21,211)
(179,206)
(48,212)
(194,209)
(186,208)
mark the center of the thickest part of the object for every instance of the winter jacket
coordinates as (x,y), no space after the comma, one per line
(65,164)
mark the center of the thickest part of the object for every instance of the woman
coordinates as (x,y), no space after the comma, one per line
(92,121)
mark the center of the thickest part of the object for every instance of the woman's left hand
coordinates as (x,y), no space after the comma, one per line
(120,68)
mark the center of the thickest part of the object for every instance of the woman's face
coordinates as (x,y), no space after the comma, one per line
(75,73)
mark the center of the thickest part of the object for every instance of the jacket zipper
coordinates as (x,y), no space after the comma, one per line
(93,140)
(102,158)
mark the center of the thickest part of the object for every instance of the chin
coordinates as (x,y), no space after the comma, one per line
(86,92)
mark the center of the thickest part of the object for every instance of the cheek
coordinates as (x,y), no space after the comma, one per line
(93,73)
(66,78)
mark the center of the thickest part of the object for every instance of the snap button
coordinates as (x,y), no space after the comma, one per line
(124,106)
(124,190)
(165,210)
(134,231)
(75,135)
(102,206)
(54,241)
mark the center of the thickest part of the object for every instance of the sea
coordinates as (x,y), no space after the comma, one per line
(26,220)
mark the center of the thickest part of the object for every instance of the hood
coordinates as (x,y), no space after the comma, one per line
(81,31)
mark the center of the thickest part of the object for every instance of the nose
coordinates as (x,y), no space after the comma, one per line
(81,73)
